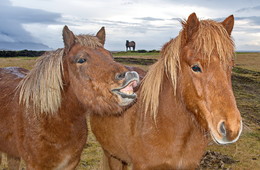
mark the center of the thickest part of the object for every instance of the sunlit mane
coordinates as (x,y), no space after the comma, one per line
(152,83)
(41,89)
(210,36)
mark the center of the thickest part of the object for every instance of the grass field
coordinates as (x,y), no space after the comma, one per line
(246,86)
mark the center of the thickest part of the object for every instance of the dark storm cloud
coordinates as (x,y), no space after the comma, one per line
(12,18)
(27,15)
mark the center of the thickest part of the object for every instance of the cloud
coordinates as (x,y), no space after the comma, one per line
(27,15)
(255,8)
(12,32)
(128,2)
(22,46)
(150,19)
(149,23)
(177,19)
(254,20)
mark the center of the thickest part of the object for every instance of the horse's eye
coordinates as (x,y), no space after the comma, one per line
(196,68)
(81,60)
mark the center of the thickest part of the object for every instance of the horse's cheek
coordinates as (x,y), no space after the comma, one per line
(194,91)
(198,88)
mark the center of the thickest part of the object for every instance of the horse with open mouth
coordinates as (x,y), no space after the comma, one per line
(43,111)
(185,98)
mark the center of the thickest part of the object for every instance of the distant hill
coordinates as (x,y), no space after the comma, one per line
(23,45)
(22,53)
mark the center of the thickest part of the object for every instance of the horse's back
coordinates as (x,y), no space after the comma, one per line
(9,79)
(12,72)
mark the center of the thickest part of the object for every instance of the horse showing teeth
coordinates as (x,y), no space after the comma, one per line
(43,111)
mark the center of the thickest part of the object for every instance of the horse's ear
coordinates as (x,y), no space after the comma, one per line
(228,24)
(101,34)
(68,38)
(192,25)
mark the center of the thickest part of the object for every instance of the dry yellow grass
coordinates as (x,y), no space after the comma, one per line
(250,61)
(24,62)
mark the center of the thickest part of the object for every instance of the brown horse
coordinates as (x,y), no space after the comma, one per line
(130,44)
(43,112)
(184,98)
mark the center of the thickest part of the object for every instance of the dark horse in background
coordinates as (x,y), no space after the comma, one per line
(43,111)
(130,44)
(185,99)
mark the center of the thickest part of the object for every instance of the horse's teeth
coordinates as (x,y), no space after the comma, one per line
(128,92)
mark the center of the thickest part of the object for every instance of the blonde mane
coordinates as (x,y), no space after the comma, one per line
(41,89)
(210,36)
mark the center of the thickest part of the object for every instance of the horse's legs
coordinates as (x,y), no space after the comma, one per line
(71,165)
(117,164)
(133,48)
(111,163)
(13,162)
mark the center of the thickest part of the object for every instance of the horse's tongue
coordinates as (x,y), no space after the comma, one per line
(128,88)
(134,84)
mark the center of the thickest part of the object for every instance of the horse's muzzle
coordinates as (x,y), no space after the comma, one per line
(126,91)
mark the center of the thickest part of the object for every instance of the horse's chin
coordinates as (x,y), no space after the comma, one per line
(126,100)
(221,141)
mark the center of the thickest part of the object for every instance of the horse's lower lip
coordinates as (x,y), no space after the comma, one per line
(124,95)
(221,141)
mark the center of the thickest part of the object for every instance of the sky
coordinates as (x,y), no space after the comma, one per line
(38,24)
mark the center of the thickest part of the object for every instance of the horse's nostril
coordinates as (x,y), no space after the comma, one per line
(222,129)
(120,76)
(131,75)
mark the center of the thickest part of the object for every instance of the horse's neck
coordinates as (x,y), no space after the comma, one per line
(170,106)
(70,106)
(172,117)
